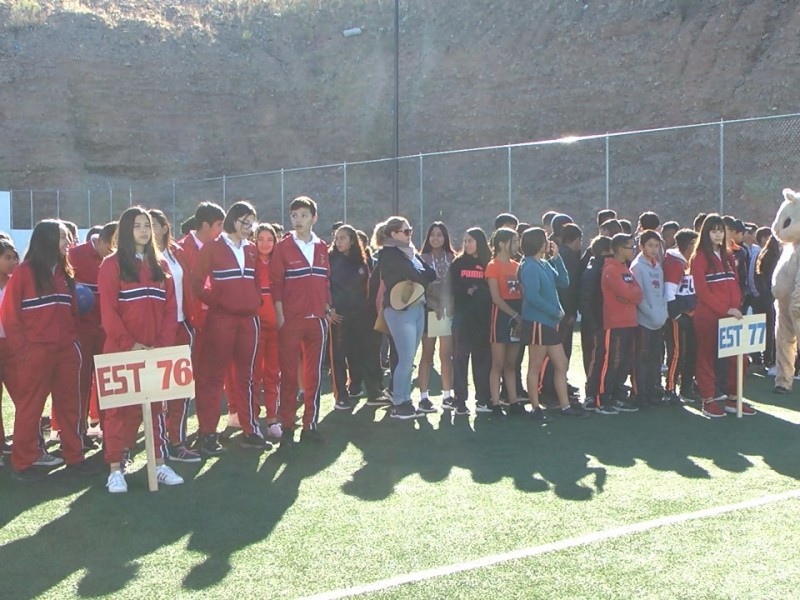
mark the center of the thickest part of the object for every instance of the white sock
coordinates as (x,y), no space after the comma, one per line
(423,395)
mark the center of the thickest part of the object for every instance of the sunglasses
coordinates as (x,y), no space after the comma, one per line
(408,231)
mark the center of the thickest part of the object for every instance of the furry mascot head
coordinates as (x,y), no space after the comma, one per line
(786,226)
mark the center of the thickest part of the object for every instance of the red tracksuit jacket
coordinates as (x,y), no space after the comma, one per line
(197,315)
(32,318)
(266,313)
(303,289)
(141,311)
(621,294)
(716,286)
(86,262)
(230,290)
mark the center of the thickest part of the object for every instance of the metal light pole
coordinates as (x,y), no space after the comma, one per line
(396,198)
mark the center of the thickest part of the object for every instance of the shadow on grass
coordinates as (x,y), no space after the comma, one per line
(240,498)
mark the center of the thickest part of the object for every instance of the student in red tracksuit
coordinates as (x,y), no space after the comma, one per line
(9,259)
(137,311)
(300,277)
(713,272)
(85,260)
(267,376)
(225,280)
(621,294)
(177,411)
(38,315)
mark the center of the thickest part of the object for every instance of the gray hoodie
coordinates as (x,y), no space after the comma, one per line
(651,312)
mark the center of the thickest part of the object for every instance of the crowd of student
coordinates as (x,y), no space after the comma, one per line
(261,311)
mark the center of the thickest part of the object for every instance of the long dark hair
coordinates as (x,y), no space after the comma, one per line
(502,236)
(446,247)
(703,243)
(356,254)
(484,252)
(44,255)
(768,258)
(126,248)
(166,239)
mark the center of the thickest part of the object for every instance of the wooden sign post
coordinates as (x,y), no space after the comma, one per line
(144,377)
(736,337)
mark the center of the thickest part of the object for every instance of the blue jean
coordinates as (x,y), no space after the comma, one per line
(406,328)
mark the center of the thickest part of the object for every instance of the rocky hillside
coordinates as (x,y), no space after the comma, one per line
(129,95)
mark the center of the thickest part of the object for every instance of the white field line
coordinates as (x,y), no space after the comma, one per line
(582,540)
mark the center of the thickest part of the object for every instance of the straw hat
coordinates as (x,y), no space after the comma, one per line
(405,294)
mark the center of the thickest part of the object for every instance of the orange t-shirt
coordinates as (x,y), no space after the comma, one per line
(506,275)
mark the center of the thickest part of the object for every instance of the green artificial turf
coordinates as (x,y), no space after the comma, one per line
(383,498)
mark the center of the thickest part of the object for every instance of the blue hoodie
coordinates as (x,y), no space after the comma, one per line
(540,280)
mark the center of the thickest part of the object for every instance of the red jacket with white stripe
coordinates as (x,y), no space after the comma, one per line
(33,318)
(267,311)
(621,294)
(197,314)
(303,289)
(219,282)
(86,262)
(141,311)
(716,285)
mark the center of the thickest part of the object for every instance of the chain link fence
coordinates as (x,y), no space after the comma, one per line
(735,167)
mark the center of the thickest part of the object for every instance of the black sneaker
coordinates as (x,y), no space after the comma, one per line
(208,445)
(516,409)
(355,394)
(449,403)
(606,409)
(311,436)
(461,407)
(497,411)
(590,403)
(382,400)
(426,406)
(625,407)
(672,398)
(287,438)
(29,475)
(573,390)
(89,443)
(483,407)
(252,440)
(537,414)
(343,404)
(7,449)
(572,411)
(403,411)
(779,389)
(84,467)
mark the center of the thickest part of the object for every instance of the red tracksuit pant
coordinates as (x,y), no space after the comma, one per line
(177,411)
(306,336)
(713,375)
(54,371)
(5,361)
(268,370)
(227,338)
(91,340)
(121,427)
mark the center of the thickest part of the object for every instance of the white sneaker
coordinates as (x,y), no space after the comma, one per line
(95,431)
(233,420)
(275,431)
(55,436)
(116,483)
(48,460)
(167,476)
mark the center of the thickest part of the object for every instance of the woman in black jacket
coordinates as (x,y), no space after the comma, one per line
(350,330)
(399,263)
(472,305)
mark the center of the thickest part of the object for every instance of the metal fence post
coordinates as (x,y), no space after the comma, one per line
(283,197)
(58,204)
(110,204)
(608,172)
(344,186)
(421,199)
(224,193)
(31,197)
(130,196)
(89,205)
(721,167)
(510,198)
(174,210)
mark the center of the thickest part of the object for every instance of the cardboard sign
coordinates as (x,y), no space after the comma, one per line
(144,376)
(741,336)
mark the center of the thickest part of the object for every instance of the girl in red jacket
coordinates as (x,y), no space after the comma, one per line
(38,315)
(267,375)
(137,311)
(9,259)
(718,296)
(225,280)
(177,410)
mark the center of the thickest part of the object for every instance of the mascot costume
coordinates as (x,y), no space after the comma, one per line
(786,289)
